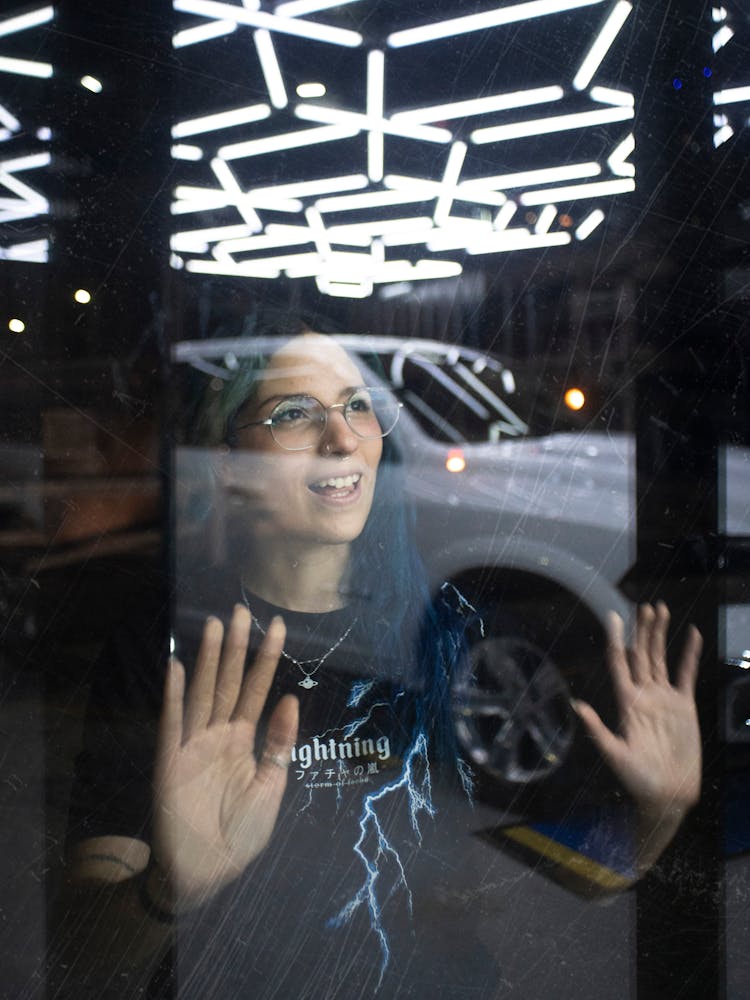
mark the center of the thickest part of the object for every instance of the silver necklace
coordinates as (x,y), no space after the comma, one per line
(307,681)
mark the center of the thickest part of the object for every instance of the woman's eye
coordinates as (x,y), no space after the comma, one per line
(360,404)
(293,413)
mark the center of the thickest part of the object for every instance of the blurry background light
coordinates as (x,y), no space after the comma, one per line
(91,83)
(308,91)
(575,399)
(455,462)
(16,325)
(82,296)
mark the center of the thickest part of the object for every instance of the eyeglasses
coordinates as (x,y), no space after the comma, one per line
(299,422)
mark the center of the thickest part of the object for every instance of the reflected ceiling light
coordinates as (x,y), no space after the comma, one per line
(303,189)
(32,252)
(318,232)
(223,119)
(269,65)
(480,105)
(375,112)
(721,135)
(16,325)
(82,296)
(91,83)
(721,37)
(574,399)
(370,199)
(474,193)
(455,460)
(361,233)
(181,151)
(516,239)
(617,159)
(336,116)
(544,175)
(602,44)
(5,134)
(44,133)
(287,236)
(203,33)
(311,90)
(487,19)
(9,120)
(246,269)
(298,8)
(543,126)
(31,19)
(229,182)
(25,67)
(576,191)
(30,162)
(447,187)
(260,19)
(718,13)
(732,96)
(607,95)
(504,216)
(546,217)
(198,240)
(195,199)
(344,289)
(589,224)
(286,140)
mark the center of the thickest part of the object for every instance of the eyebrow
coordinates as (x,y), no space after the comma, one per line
(344,394)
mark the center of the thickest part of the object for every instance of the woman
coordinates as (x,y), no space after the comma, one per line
(309,813)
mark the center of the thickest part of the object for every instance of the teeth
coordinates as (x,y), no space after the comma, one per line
(340,482)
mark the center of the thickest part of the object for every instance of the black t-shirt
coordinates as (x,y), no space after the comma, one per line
(364,885)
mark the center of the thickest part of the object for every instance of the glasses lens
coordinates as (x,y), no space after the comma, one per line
(297,422)
(371,413)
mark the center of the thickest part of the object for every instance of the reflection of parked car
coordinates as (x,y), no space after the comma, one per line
(535,531)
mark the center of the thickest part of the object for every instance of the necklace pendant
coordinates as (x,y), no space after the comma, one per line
(308,682)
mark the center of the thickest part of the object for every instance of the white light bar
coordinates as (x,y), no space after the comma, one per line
(25,67)
(448,185)
(722,36)
(230,184)
(362,233)
(269,64)
(425,189)
(545,219)
(375,99)
(9,120)
(504,216)
(246,269)
(607,95)
(344,289)
(318,232)
(221,120)
(602,44)
(544,175)
(480,105)
(298,8)
(718,13)
(5,134)
(308,91)
(286,140)
(732,96)
(371,199)
(722,134)
(336,116)
(617,160)
(589,224)
(197,240)
(289,237)
(91,83)
(34,252)
(203,33)
(306,189)
(577,191)
(543,126)
(31,19)
(517,239)
(181,151)
(487,19)
(260,19)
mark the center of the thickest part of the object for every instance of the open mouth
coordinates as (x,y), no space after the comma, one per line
(337,487)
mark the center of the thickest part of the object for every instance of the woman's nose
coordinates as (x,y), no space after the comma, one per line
(338,437)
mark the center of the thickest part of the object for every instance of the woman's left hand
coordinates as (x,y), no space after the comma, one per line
(656,752)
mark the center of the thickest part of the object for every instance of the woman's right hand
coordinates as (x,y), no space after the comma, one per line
(215,803)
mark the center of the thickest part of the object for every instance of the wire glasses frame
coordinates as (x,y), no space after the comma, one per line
(299,422)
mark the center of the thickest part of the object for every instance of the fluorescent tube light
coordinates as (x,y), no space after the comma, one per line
(545,219)
(203,33)
(487,19)
(30,162)
(344,289)
(375,98)
(447,187)
(298,8)
(504,216)
(426,189)
(336,116)
(480,105)
(286,140)
(311,90)
(260,19)
(246,269)
(721,136)
(181,151)
(269,64)
(607,95)
(574,192)
(221,120)
(318,231)
(616,161)
(230,184)
(515,239)
(25,67)
(9,120)
(589,224)
(544,175)
(544,126)
(33,252)
(370,199)
(362,233)
(31,19)
(722,36)
(303,189)
(197,240)
(732,96)
(602,44)
(91,83)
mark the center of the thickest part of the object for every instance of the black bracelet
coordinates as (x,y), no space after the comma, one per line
(154,911)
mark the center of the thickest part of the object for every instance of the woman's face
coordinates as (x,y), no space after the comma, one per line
(320,495)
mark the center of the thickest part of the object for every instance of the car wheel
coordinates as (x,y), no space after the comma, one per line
(512,712)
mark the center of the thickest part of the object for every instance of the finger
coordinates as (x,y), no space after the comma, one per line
(687,672)
(281,737)
(169,737)
(658,642)
(231,665)
(607,742)
(617,658)
(257,683)
(200,699)
(640,664)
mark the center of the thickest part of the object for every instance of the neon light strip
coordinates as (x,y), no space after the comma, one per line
(268,241)
(616,161)
(195,199)
(203,33)
(287,140)
(260,19)
(732,96)
(344,289)
(450,180)
(426,189)
(373,199)
(298,8)
(9,120)
(360,234)
(589,224)
(5,134)
(229,182)
(31,19)
(722,36)
(182,151)
(375,99)
(543,126)
(606,95)
(455,235)
(480,105)
(504,216)
(335,116)
(34,252)
(223,119)
(302,189)
(545,219)
(245,269)
(545,175)
(269,64)
(487,19)
(505,242)
(30,162)
(25,67)
(197,240)
(602,44)
(721,136)
(318,232)
(577,191)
